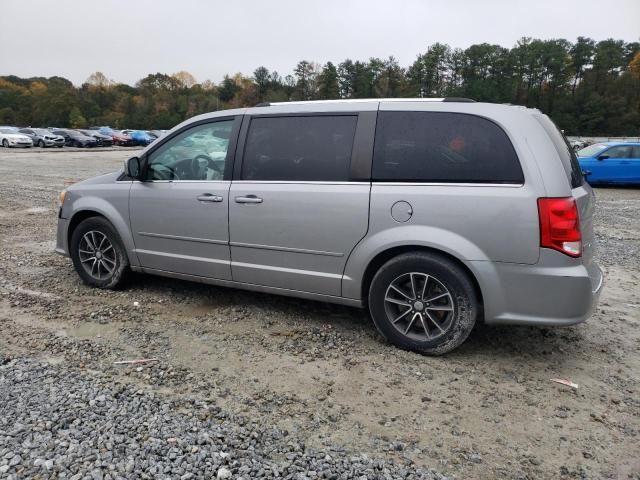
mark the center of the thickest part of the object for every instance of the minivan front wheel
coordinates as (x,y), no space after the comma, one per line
(98,254)
(423,302)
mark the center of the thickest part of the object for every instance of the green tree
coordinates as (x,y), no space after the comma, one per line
(76,120)
(328,85)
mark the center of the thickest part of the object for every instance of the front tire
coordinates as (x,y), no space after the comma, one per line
(423,302)
(98,254)
(5,143)
(40,144)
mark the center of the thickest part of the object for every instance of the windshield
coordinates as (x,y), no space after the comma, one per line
(591,150)
(6,130)
(42,131)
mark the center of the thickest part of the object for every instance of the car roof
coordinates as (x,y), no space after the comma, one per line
(615,144)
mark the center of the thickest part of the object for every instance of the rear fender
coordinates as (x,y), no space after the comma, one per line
(403,236)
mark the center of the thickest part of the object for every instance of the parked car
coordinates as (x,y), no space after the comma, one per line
(158,133)
(122,139)
(102,139)
(139,137)
(578,144)
(433,214)
(42,137)
(11,138)
(74,138)
(611,163)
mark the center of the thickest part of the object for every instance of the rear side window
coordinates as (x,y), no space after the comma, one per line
(566,153)
(299,148)
(443,147)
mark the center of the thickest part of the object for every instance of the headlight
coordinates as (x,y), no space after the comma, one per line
(63,194)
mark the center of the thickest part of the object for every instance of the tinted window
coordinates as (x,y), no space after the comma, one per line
(566,153)
(199,153)
(299,148)
(636,152)
(443,147)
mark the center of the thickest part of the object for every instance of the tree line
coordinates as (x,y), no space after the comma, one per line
(587,87)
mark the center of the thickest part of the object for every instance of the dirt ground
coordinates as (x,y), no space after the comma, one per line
(487,410)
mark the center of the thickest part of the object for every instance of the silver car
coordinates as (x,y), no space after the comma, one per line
(41,137)
(434,214)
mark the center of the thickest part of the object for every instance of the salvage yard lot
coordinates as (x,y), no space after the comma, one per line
(321,372)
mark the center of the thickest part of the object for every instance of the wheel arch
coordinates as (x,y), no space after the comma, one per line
(384,256)
(118,223)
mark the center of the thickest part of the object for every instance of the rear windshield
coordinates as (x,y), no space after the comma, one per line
(565,152)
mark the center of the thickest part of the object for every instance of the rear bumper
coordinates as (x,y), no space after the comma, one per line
(557,291)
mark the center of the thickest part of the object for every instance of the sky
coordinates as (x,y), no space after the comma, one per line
(128,39)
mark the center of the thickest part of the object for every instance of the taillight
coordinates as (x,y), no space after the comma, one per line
(560,225)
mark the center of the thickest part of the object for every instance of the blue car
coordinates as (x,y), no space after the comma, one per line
(139,137)
(611,163)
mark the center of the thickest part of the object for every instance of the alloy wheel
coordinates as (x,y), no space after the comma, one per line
(419,306)
(97,255)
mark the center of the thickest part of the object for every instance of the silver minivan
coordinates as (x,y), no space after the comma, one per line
(433,214)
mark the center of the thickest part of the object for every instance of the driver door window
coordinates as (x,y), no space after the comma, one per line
(199,153)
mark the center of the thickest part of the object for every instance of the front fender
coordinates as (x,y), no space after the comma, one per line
(403,236)
(115,208)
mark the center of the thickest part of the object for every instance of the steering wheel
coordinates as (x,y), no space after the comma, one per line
(195,165)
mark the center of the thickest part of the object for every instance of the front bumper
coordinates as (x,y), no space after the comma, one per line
(20,144)
(61,237)
(557,291)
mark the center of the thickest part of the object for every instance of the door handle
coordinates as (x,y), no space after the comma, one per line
(249,199)
(209,197)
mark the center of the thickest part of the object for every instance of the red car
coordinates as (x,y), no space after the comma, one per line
(120,138)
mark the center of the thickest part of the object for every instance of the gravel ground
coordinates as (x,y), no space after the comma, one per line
(61,423)
(237,364)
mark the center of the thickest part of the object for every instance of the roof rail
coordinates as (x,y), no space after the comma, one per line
(458,100)
(362,100)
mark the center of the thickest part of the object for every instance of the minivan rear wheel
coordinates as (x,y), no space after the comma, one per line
(98,254)
(423,302)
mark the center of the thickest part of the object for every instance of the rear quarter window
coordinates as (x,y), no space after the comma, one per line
(443,147)
(565,152)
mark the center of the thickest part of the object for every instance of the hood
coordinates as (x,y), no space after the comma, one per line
(16,136)
(100,180)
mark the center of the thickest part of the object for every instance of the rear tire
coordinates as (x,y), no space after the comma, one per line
(423,302)
(98,254)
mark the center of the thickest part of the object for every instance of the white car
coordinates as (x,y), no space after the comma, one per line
(9,138)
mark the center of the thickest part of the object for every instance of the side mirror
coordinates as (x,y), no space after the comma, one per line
(603,157)
(132,168)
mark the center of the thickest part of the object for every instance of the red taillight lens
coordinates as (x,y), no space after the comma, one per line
(560,225)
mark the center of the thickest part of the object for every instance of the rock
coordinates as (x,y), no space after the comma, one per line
(223,473)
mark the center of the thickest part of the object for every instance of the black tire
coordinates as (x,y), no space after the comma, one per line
(120,267)
(5,143)
(445,276)
(40,144)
